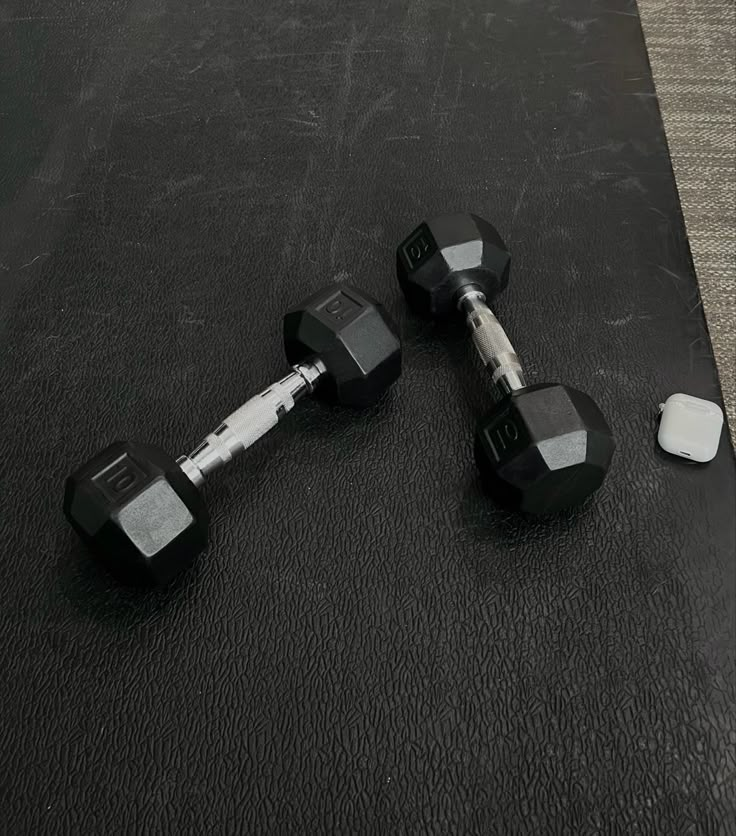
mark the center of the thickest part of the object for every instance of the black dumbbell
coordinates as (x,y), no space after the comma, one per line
(542,448)
(140,510)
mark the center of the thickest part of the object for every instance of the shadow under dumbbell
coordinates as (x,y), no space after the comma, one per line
(450,337)
(511,547)
(330,421)
(98,596)
(480,396)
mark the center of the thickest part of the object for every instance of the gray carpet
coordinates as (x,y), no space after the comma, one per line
(692,49)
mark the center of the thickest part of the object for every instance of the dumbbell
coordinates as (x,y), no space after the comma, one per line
(543,447)
(140,510)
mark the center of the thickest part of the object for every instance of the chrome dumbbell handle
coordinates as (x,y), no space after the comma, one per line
(491,342)
(251,421)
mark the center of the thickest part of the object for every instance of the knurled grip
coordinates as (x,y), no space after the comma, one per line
(253,419)
(489,337)
(492,344)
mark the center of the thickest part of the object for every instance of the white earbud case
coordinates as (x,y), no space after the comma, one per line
(690,427)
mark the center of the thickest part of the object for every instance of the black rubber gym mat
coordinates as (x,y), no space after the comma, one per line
(367,646)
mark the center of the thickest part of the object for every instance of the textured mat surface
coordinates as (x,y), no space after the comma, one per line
(367,646)
(692,47)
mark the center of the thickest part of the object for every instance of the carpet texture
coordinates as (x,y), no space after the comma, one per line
(691,49)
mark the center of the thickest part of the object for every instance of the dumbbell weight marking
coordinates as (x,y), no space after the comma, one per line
(118,479)
(502,439)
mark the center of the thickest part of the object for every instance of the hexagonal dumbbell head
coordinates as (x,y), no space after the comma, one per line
(354,338)
(543,448)
(137,511)
(444,255)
